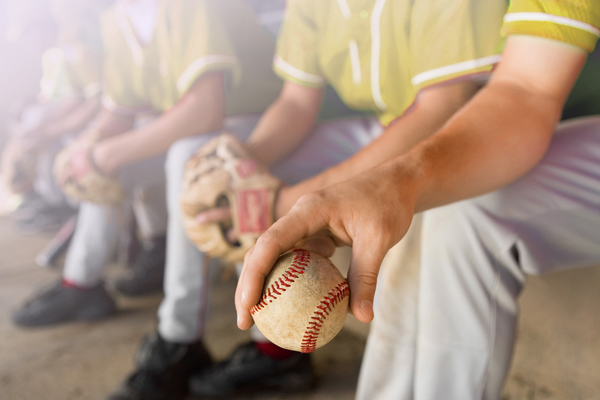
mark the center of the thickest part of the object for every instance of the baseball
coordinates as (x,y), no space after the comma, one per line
(304,302)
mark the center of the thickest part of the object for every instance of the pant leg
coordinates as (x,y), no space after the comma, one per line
(387,370)
(150,210)
(98,226)
(94,241)
(476,253)
(183,311)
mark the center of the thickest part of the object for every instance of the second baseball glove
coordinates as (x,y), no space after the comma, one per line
(93,186)
(223,172)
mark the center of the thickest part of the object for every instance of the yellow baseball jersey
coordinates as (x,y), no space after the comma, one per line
(83,62)
(574,21)
(378,54)
(191,38)
(74,68)
(55,83)
(80,40)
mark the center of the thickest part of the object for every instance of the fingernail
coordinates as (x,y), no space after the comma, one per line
(239,320)
(243,297)
(366,307)
(201,219)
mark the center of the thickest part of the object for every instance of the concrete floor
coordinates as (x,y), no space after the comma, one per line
(557,355)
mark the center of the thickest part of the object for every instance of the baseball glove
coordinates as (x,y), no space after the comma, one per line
(223,172)
(92,186)
(18,166)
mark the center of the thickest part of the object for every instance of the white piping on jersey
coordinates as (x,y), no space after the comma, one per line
(557,19)
(129,36)
(92,89)
(375,52)
(297,73)
(116,108)
(354,62)
(198,64)
(454,68)
(345,9)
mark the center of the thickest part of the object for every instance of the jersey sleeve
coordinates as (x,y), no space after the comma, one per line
(452,40)
(296,57)
(576,22)
(205,42)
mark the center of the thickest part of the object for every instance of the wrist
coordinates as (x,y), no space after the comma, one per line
(413,187)
(100,159)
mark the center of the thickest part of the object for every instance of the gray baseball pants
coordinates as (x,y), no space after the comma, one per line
(474,259)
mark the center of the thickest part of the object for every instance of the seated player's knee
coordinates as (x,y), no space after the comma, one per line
(453,227)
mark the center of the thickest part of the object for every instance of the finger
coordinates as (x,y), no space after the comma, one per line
(79,163)
(244,319)
(362,277)
(213,215)
(231,236)
(279,238)
(322,244)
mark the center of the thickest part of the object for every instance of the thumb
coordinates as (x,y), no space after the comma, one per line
(362,279)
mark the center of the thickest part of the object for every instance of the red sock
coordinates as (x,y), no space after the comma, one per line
(73,285)
(272,350)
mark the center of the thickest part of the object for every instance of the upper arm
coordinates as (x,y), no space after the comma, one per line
(445,99)
(209,87)
(541,67)
(304,98)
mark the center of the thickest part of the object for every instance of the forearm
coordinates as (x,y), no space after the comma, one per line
(75,120)
(200,111)
(431,112)
(498,137)
(58,110)
(504,131)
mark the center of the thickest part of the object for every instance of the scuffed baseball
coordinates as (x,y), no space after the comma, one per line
(304,302)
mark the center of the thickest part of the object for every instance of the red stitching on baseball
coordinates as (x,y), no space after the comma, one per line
(309,342)
(296,268)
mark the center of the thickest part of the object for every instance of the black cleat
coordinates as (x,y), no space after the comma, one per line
(61,303)
(146,273)
(248,370)
(164,369)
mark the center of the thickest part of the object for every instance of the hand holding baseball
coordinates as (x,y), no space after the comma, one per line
(304,302)
(370,212)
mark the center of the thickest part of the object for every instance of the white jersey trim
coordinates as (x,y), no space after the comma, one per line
(297,73)
(198,64)
(557,19)
(355,62)
(112,106)
(93,89)
(345,9)
(129,36)
(455,68)
(375,54)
